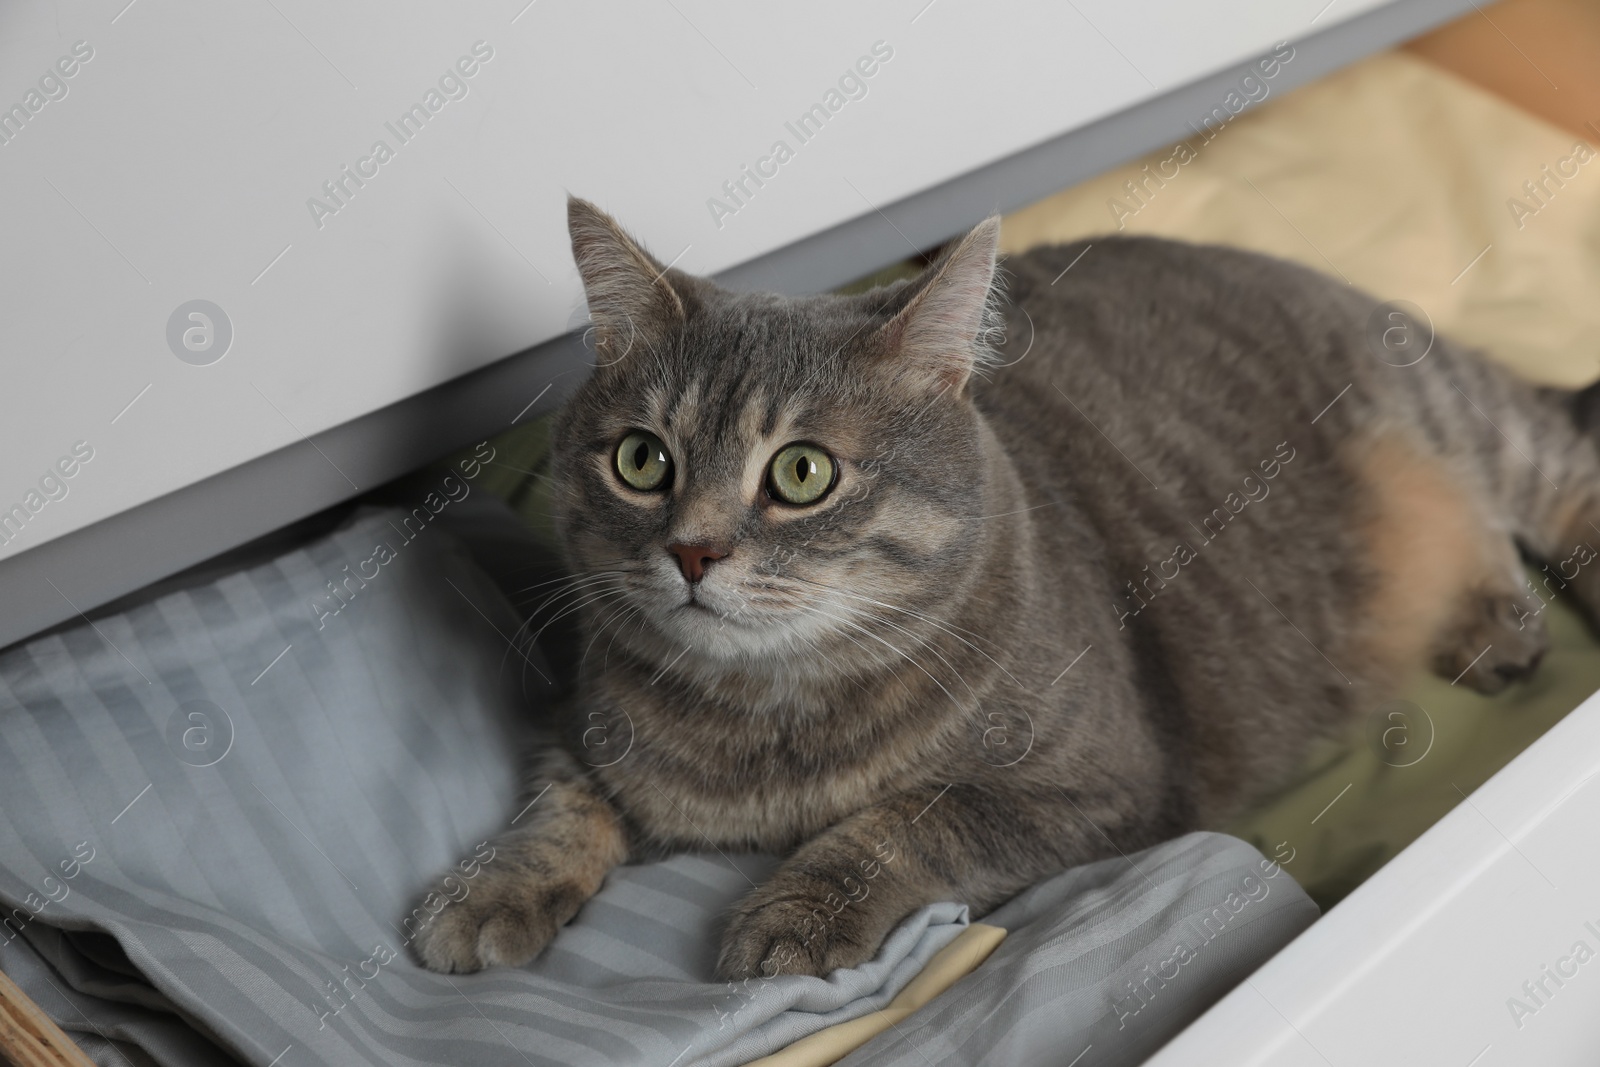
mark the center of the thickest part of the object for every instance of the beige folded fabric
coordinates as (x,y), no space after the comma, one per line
(961,956)
(1397,176)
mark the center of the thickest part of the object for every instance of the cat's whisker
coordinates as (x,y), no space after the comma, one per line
(576,584)
(930,620)
(852,677)
(570,576)
(781,597)
(816,646)
(636,617)
(889,645)
(511,643)
(950,628)
(565,579)
(591,583)
(599,631)
(593,598)
(575,591)
(603,618)
(918,638)
(598,598)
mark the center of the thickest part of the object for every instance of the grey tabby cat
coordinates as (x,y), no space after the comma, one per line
(936,614)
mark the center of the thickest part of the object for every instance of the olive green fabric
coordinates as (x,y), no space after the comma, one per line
(1397,770)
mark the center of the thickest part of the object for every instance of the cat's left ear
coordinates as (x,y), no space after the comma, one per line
(934,339)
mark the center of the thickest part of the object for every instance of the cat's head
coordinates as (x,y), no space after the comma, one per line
(756,476)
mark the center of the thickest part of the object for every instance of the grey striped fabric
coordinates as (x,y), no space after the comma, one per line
(220,805)
(254,841)
(1108,962)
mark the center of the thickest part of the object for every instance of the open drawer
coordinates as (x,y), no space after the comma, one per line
(1472,946)
(1491,867)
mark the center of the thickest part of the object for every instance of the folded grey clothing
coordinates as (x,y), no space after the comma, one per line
(248,783)
(221,805)
(1109,961)
(124,1024)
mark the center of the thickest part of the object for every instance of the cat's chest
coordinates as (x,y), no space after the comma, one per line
(772,813)
(692,782)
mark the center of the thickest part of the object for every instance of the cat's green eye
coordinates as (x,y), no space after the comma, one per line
(643,462)
(801,474)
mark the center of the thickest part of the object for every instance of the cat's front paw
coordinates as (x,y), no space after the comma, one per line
(771,935)
(504,919)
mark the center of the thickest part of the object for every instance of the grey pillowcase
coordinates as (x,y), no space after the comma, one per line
(261,823)
(255,836)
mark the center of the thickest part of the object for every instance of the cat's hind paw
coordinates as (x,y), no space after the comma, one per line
(1497,642)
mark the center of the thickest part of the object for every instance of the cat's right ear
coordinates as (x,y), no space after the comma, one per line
(631,298)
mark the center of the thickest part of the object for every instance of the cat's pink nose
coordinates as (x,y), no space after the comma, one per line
(694,559)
